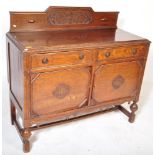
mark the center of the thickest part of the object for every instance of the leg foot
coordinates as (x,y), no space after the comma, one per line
(26,144)
(132,118)
(133,108)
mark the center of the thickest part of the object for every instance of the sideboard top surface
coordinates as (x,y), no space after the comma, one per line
(60,28)
(55,40)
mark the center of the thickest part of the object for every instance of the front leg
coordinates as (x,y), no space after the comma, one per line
(133,108)
(26,144)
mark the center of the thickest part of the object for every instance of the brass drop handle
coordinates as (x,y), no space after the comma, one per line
(45,61)
(81,56)
(134,51)
(107,54)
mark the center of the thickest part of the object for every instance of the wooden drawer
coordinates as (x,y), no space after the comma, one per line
(121,52)
(62,59)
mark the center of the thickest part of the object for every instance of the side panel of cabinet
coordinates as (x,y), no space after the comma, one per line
(58,91)
(15,72)
(115,81)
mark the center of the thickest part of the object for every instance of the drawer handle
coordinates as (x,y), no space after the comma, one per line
(107,54)
(81,56)
(31,21)
(45,61)
(134,51)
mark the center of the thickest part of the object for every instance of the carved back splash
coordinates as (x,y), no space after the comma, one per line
(55,18)
(69,16)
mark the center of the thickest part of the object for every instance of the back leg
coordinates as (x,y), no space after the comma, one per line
(13,112)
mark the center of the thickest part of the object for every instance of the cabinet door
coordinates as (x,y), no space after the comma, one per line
(58,91)
(115,81)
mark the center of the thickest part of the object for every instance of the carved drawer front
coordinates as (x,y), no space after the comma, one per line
(114,81)
(121,52)
(62,59)
(58,91)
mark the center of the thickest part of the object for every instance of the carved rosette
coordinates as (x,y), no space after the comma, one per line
(69,17)
(61,91)
(117,82)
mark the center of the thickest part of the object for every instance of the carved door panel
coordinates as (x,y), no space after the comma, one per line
(115,81)
(58,91)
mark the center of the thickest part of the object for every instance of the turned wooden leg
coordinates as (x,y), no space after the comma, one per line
(26,144)
(133,108)
(13,112)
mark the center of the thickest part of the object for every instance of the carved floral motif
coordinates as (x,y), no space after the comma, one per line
(61,91)
(117,82)
(69,17)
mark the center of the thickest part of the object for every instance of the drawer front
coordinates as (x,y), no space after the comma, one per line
(62,59)
(59,91)
(121,52)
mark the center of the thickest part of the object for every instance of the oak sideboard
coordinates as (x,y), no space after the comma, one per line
(69,62)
